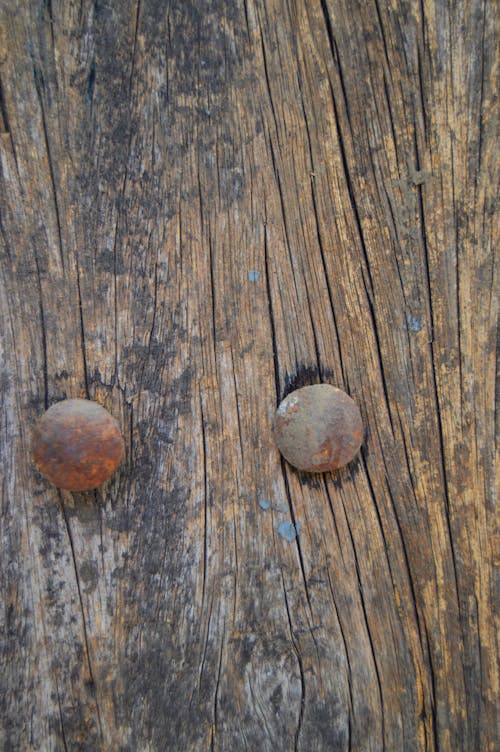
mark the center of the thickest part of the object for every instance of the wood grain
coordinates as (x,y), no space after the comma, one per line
(203,206)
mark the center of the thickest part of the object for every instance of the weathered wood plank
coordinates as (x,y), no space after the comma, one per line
(204,205)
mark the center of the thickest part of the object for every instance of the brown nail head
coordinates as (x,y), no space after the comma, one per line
(77,445)
(318,428)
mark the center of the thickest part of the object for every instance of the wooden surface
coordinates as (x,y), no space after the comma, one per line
(205,204)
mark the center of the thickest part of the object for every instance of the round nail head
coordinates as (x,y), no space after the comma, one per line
(318,428)
(77,445)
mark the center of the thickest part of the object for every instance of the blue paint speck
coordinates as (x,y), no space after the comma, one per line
(414,324)
(264,504)
(253,275)
(288,530)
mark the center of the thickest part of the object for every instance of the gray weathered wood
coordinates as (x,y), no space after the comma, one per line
(203,205)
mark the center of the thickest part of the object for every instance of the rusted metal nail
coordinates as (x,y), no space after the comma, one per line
(318,428)
(77,445)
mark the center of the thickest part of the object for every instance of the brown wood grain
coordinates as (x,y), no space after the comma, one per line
(203,206)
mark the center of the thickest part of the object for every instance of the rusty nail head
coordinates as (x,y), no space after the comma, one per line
(318,428)
(77,445)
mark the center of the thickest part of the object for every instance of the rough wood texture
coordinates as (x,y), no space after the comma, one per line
(204,205)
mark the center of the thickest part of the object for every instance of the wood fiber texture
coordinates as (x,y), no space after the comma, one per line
(203,206)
